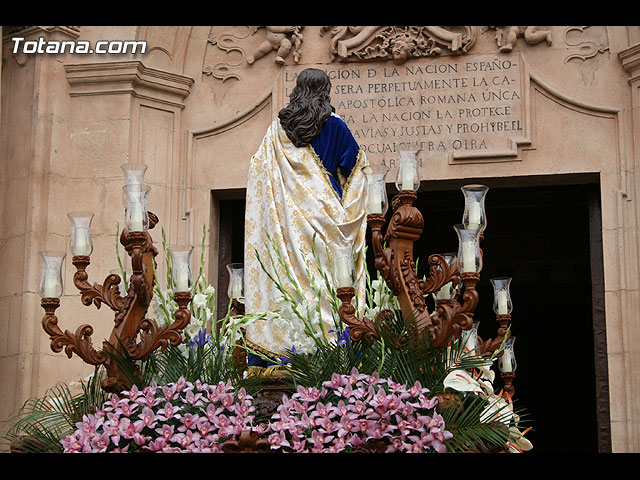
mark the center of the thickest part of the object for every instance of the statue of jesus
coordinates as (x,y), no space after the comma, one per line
(305,194)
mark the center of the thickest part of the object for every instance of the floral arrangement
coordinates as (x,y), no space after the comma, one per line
(178,417)
(350,410)
(198,418)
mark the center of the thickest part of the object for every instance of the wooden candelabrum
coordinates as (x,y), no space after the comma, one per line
(133,334)
(394,259)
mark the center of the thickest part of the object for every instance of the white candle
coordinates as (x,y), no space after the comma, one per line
(408,179)
(82,241)
(375,198)
(236,286)
(502,302)
(343,275)
(506,361)
(50,283)
(135,217)
(468,256)
(181,278)
(474,213)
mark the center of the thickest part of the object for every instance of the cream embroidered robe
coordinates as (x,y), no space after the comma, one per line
(290,198)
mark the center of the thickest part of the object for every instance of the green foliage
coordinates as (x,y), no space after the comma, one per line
(42,422)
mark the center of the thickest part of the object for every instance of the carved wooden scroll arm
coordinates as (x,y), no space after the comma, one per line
(359,329)
(108,292)
(78,342)
(154,336)
(451,317)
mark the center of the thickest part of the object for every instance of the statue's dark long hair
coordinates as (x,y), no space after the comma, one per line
(309,107)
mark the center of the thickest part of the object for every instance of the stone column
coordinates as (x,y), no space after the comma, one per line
(626,434)
(31,114)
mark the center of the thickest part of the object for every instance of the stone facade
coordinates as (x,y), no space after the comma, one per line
(499,103)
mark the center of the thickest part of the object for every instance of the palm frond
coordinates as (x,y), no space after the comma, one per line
(471,430)
(42,422)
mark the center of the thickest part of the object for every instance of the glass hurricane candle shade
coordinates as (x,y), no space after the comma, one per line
(407,177)
(134,173)
(474,213)
(470,339)
(181,267)
(236,280)
(81,243)
(447,291)
(377,201)
(508,358)
(135,198)
(51,275)
(501,295)
(469,256)
(343,269)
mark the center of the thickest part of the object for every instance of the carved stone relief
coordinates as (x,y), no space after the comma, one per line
(397,43)
(285,41)
(357,44)
(507,36)
(588,43)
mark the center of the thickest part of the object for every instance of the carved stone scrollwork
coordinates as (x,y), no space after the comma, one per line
(361,43)
(587,48)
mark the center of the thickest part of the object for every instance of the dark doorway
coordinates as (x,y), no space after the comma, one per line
(548,239)
(231,243)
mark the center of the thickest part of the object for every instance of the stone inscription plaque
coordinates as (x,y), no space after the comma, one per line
(466,107)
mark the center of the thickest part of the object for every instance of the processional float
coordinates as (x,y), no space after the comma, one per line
(452,278)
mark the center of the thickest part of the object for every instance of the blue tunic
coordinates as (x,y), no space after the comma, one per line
(336,147)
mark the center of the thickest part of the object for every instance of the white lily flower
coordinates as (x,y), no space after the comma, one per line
(498,409)
(461,381)
(210,290)
(192,330)
(199,300)
(520,444)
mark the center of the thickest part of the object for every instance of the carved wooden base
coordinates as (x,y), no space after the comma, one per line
(269,398)
(248,443)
